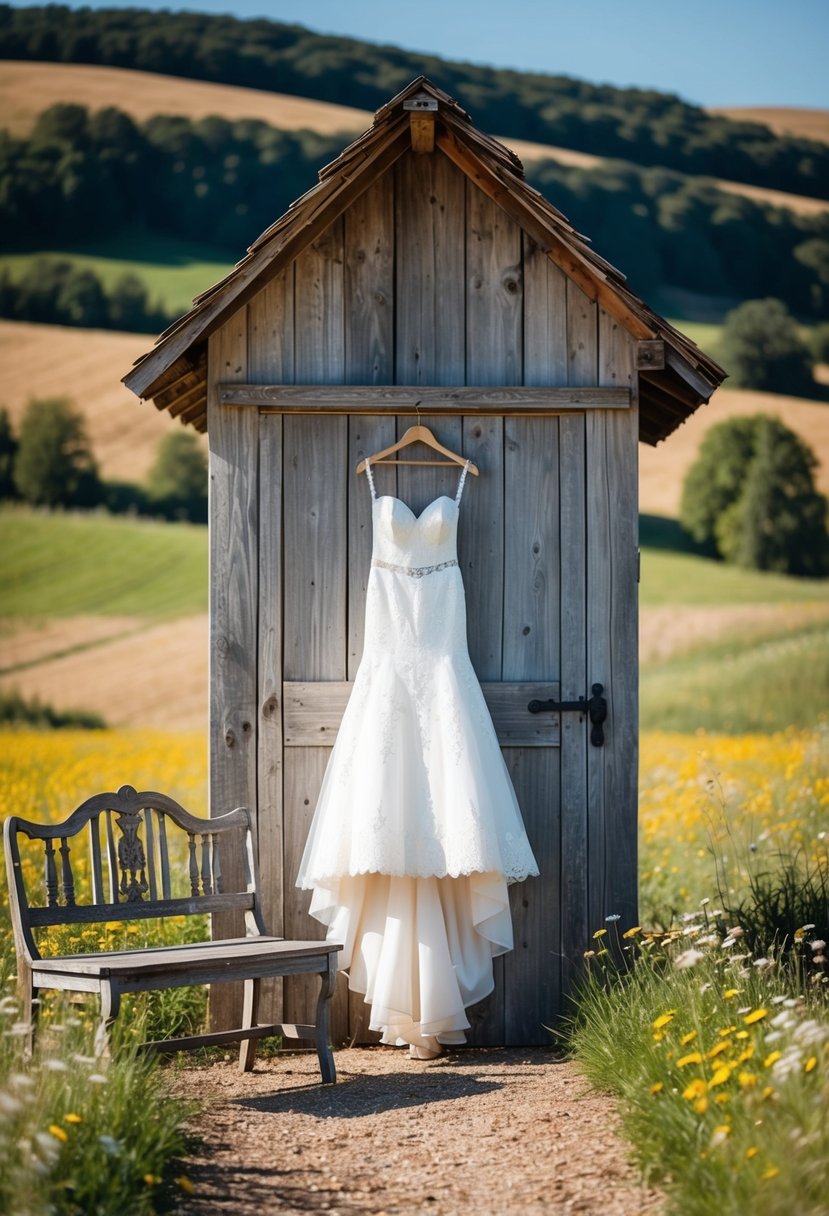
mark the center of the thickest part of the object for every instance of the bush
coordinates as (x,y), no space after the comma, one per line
(750,497)
(762,349)
(8,451)
(54,466)
(177,482)
(819,343)
(17,711)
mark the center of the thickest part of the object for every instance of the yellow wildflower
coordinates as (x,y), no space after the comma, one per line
(752,1151)
(730,992)
(742,1034)
(701,1106)
(771,1172)
(693,1057)
(688,1038)
(58,1133)
(727,1031)
(184,1183)
(756,1015)
(72,1118)
(152,1179)
(746,1079)
(663,1019)
(725,1097)
(721,1075)
(810,1064)
(695,1090)
(715,1050)
(632,932)
(656,1087)
(771,1058)
(599,933)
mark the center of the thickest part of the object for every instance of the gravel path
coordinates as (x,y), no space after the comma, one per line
(489,1132)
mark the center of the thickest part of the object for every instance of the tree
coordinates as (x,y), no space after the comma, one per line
(177,482)
(54,466)
(8,450)
(762,348)
(751,496)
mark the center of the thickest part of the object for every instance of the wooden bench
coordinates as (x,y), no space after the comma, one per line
(130,879)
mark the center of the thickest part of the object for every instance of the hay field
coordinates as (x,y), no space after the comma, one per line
(85,365)
(27,88)
(783,120)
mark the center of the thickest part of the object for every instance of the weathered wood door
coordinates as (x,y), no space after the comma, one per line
(544,555)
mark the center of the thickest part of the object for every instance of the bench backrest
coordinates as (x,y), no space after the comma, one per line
(129,839)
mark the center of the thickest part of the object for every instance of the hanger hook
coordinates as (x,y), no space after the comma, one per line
(417,410)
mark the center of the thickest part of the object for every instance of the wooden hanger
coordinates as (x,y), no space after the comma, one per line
(417,434)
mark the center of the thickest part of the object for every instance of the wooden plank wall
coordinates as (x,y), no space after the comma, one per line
(425,280)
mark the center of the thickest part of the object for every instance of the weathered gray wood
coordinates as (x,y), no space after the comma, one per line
(575,680)
(313,711)
(97,913)
(471,399)
(545,327)
(430,199)
(531,649)
(315,590)
(233,599)
(612,640)
(365,436)
(495,297)
(481,544)
(369,287)
(270,818)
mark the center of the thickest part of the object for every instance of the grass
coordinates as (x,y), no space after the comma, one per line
(740,686)
(173,271)
(718,1054)
(57,565)
(685,579)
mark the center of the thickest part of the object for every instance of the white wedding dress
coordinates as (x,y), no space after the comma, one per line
(417,830)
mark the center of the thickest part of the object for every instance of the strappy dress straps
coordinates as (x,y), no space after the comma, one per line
(460,483)
(370,477)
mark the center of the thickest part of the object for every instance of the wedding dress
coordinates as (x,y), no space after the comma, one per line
(417,830)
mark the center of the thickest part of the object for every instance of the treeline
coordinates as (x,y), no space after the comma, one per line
(48,462)
(645,126)
(82,176)
(54,291)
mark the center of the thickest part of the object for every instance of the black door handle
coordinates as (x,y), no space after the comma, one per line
(596,707)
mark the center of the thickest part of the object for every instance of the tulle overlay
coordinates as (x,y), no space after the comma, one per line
(417,830)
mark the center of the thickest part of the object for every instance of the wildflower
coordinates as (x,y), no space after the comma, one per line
(97,1078)
(755,1016)
(590,954)
(656,1087)
(695,1089)
(721,1075)
(810,1064)
(771,1172)
(752,1151)
(720,1133)
(58,1133)
(688,958)
(72,1118)
(693,1057)
(736,931)
(715,1050)
(817,945)
(730,992)
(771,1058)
(632,932)
(152,1179)
(727,1030)
(56,1065)
(184,1183)
(746,1079)
(763,964)
(701,1105)
(110,1145)
(613,916)
(663,1019)
(688,1038)
(9,1105)
(599,933)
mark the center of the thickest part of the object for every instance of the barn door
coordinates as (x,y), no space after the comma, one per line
(523,551)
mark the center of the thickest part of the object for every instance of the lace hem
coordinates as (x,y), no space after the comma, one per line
(308,882)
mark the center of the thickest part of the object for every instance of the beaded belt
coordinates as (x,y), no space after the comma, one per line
(414,571)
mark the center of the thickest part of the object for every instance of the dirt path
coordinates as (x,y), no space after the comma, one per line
(487,1132)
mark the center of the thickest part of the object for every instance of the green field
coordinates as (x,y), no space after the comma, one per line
(173,271)
(72,565)
(683,578)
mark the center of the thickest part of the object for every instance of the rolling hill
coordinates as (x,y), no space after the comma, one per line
(27,88)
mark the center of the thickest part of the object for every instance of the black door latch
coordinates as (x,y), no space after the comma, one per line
(596,707)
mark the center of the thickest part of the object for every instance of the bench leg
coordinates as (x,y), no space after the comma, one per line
(328,984)
(250,1015)
(110,1004)
(30,1006)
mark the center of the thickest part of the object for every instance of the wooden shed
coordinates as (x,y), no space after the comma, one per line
(423,276)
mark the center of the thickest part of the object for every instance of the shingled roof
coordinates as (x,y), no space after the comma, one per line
(174,372)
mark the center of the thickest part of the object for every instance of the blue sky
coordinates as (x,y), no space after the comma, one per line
(713,52)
